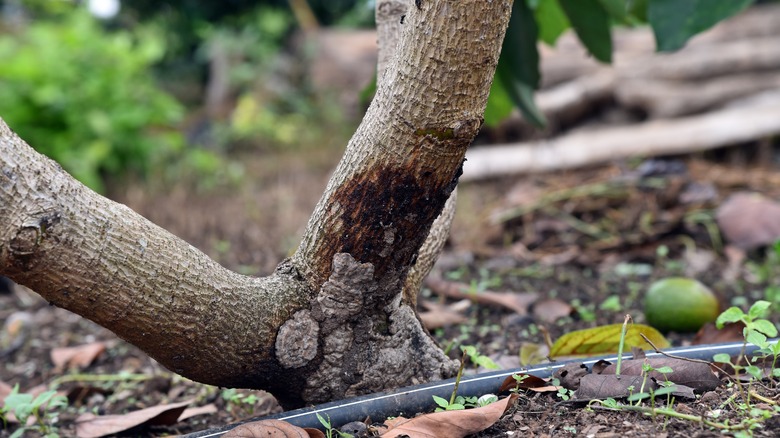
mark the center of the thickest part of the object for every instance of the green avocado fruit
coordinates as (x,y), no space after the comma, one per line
(680,304)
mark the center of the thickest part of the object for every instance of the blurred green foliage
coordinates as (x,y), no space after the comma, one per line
(89,93)
(84,96)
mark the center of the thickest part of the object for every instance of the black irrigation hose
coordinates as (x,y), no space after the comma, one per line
(413,399)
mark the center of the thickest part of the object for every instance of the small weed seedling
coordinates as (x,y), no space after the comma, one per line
(457,402)
(240,405)
(667,387)
(563,393)
(44,409)
(756,331)
(331,432)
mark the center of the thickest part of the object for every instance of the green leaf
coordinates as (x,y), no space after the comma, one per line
(591,22)
(675,21)
(522,95)
(441,401)
(325,423)
(518,66)
(755,371)
(617,9)
(638,396)
(722,358)
(605,339)
(470,350)
(758,309)
(552,21)
(637,9)
(756,338)
(486,362)
(499,105)
(732,314)
(765,327)
(665,390)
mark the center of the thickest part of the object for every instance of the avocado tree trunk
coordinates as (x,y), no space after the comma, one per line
(330,321)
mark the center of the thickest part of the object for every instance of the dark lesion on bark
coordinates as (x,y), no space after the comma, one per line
(385,215)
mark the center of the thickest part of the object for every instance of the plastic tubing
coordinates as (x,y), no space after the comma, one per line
(411,400)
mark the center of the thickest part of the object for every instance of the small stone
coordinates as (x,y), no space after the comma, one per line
(357,429)
(710,398)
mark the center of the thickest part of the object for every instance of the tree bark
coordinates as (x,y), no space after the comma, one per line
(329,322)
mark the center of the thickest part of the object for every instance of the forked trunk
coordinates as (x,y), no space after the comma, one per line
(329,322)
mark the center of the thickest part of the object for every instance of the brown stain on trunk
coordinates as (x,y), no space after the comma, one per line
(386,214)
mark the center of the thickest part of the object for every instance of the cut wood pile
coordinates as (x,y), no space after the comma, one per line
(722,89)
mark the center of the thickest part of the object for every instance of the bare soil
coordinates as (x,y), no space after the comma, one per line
(584,250)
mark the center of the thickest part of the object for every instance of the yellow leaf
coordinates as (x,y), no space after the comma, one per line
(605,340)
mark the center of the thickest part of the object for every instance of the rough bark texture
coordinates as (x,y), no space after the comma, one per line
(390,18)
(329,322)
(98,258)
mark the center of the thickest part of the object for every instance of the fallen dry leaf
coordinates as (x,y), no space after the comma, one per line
(210,408)
(528,382)
(749,220)
(5,389)
(696,375)
(450,424)
(15,332)
(442,315)
(93,426)
(272,429)
(515,301)
(79,357)
(709,334)
(601,386)
(550,309)
(605,339)
(77,394)
(532,354)
(570,374)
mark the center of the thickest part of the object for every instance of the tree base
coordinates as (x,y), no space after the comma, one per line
(346,348)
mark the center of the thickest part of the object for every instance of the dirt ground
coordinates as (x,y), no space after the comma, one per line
(596,250)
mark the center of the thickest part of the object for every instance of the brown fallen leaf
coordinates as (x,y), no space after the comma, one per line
(15,332)
(442,315)
(749,220)
(79,357)
(528,382)
(709,334)
(550,309)
(5,389)
(77,394)
(272,429)
(450,424)
(570,374)
(601,386)
(515,301)
(696,375)
(93,426)
(210,408)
